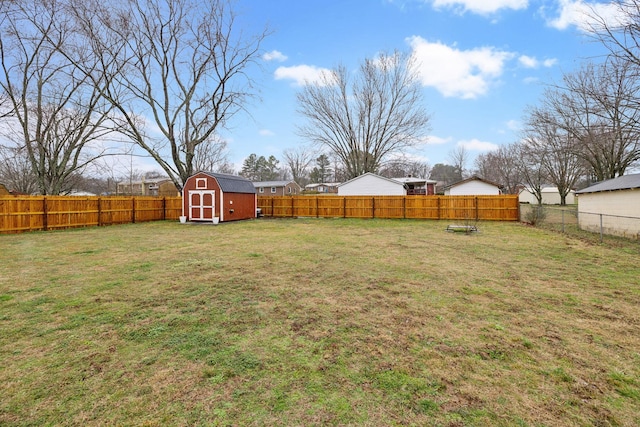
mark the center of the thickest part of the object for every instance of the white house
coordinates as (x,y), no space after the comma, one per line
(550,196)
(613,204)
(371,184)
(474,186)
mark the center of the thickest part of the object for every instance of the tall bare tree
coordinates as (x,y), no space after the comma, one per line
(598,106)
(297,161)
(366,119)
(178,68)
(58,115)
(531,165)
(211,155)
(554,147)
(501,166)
(16,172)
(459,157)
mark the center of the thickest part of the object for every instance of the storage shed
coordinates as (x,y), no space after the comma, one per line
(213,197)
(612,206)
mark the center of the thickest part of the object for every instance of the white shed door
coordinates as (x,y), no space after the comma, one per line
(202,205)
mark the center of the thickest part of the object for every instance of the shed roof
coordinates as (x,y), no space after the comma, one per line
(625,182)
(232,183)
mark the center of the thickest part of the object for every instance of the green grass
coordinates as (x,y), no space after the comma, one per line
(318,322)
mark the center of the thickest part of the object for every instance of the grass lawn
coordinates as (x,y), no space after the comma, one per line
(318,322)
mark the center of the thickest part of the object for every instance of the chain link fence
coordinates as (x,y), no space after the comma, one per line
(567,219)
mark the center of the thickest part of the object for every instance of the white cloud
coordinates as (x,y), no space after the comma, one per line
(513,125)
(482,7)
(477,145)
(274,55)
(531,62)
(302,74)
(580,14)
(465,74)
(266,132)
(436,140)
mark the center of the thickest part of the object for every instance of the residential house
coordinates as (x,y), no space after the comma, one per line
(148,187)
(277,188)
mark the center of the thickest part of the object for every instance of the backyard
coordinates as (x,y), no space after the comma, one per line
(318,322)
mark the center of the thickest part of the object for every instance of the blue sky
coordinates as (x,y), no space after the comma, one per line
(483,62)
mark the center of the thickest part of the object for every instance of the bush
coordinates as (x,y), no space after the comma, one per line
(536,215)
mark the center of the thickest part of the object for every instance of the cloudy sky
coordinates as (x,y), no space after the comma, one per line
(482,62)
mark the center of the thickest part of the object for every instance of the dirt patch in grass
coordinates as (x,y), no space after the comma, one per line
(316,321)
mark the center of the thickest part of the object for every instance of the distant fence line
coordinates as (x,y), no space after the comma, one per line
(36,213)
(568,218)
(485,208)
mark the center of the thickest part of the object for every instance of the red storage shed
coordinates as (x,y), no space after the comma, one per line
(213,197)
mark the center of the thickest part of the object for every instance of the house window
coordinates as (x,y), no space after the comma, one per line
(273,189)
(262,189)
(201,183)
(289,190)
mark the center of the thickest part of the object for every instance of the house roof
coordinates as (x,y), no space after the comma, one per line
(625,182)
(372,175)
(414,180)
(474,178)
(272,183)
(232,183)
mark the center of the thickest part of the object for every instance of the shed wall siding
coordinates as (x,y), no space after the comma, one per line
(612,205)
(371,186)
(475,188)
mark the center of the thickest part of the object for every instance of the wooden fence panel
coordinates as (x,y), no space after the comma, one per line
(359,207)
(421,207)
(32,213)
(466,208)
(331,206)
(70,212)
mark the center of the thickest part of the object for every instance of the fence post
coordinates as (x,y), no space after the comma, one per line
(99,211)
(293,208)
(164,208)
(476,202)
(601,231)
(373,207)
(404,207)
(133,209)
(317,212)
(45,213)
(344,207)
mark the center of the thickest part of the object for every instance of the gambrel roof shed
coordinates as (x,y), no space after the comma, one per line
(213,197)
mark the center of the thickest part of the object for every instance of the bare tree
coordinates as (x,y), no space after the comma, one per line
(297,161)
(16,172)
(459,157)
(501,166)
(554,147)
(180,66)
(531,166)
(60,114)
(598,107)
(211,155)
(619,31)
(365,120)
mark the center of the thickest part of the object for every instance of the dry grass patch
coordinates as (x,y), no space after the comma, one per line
(314,322)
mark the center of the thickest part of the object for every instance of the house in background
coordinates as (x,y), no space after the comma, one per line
(277,188)
(148,187)
(324,187)
(613,204)
(217,197)
(473,186)
(550,196)
(418,186)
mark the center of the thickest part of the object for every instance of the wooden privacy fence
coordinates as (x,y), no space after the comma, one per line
(492,208)
(31,213)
